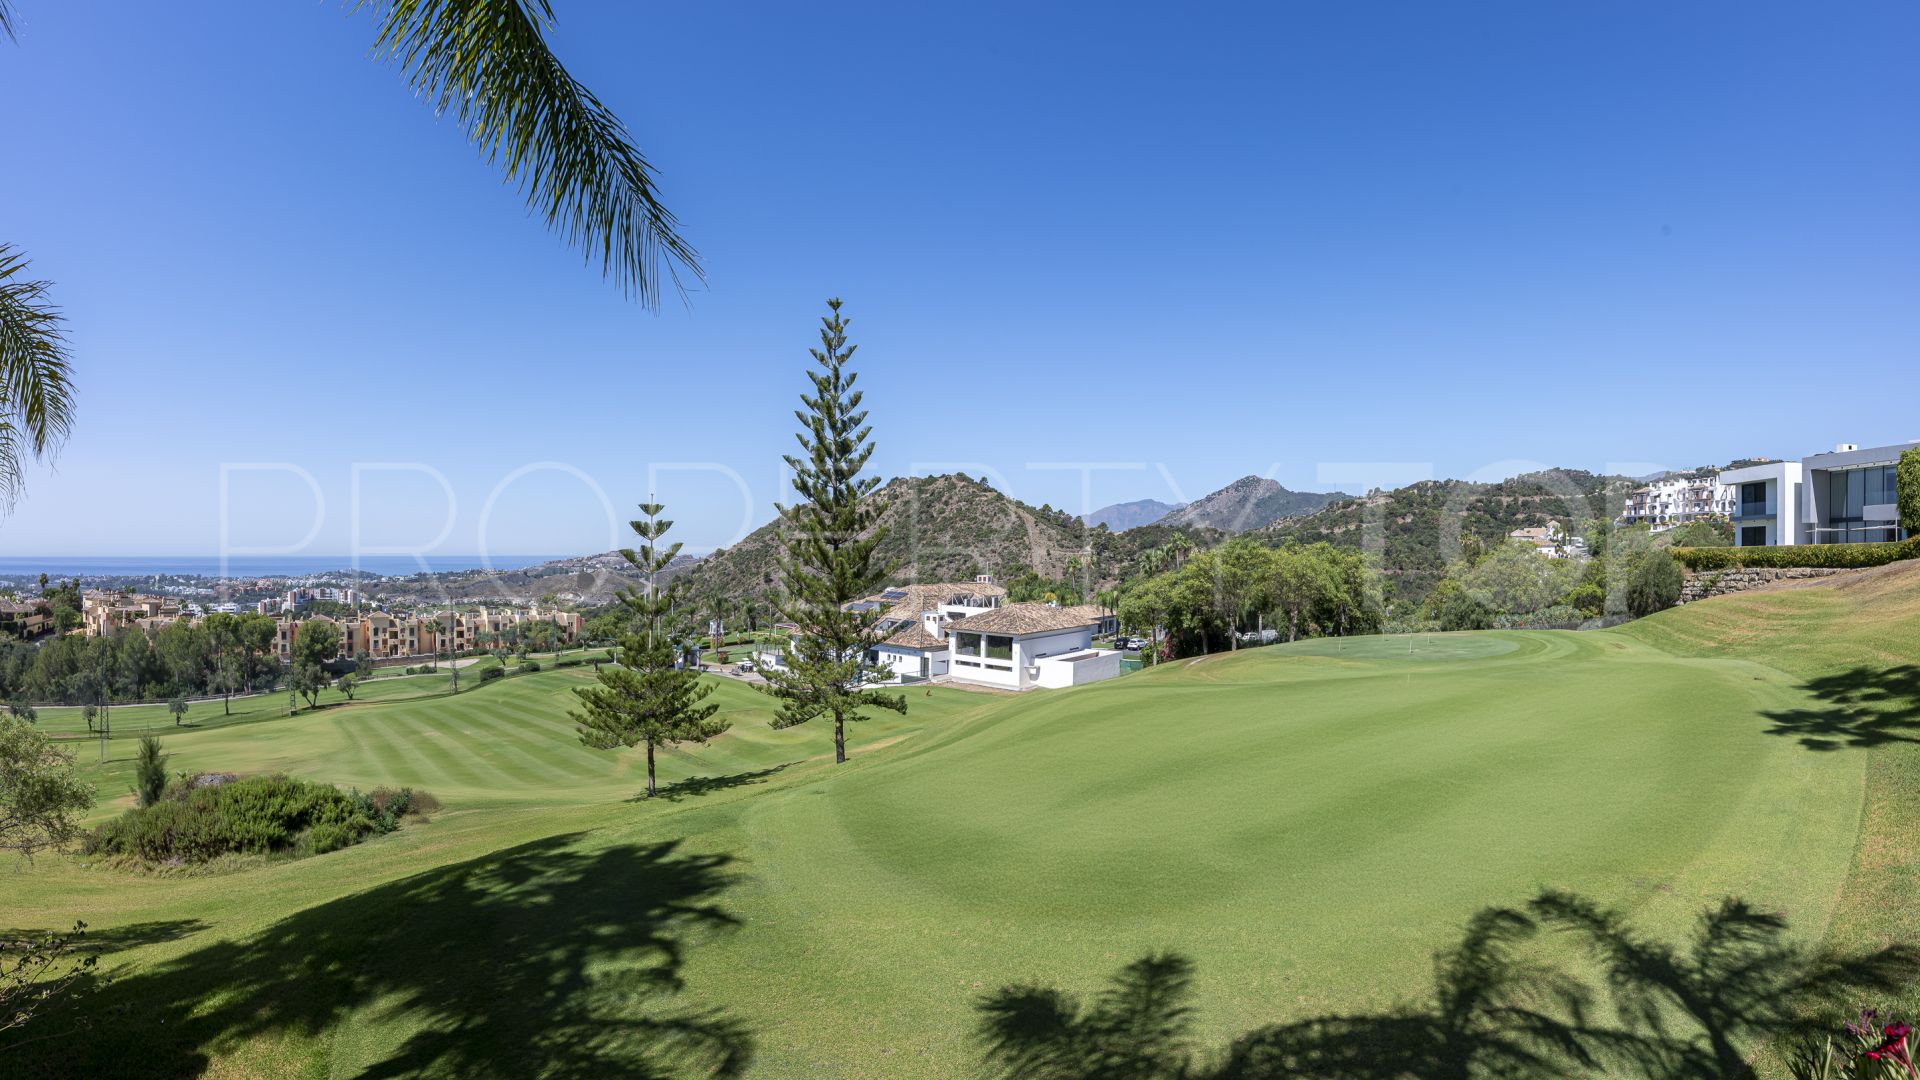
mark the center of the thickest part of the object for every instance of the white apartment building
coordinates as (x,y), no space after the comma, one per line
(1676,501)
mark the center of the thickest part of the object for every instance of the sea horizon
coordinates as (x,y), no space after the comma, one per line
(255,566)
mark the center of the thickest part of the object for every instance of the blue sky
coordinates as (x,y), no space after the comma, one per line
(1336,244)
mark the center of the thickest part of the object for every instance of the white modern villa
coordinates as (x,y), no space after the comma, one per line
(968,633)
(1843,497)
(1022,646)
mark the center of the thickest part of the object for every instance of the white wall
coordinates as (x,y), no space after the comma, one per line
(1028,650)
(1783,495)
(903,662)
(1058,673)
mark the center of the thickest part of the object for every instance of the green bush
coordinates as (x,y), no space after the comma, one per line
(527,667)
(492,673)
(1906,486)
(1656,583)
(1834,556)
(1588,598)
(260,815)
(1462,611)
(149,772)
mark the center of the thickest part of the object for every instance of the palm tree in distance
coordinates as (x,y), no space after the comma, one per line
(489,65)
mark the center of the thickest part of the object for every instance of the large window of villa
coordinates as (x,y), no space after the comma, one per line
(999,648)
(1753,499)
(966,644)
(1848,494)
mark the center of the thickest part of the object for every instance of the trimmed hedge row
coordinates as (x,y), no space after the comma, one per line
(1827,556)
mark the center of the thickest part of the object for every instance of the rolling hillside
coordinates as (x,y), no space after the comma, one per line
(939,528)
(1417,528)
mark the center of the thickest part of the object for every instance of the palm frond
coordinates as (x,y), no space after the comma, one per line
(36,381)
(6,19)
(488,62)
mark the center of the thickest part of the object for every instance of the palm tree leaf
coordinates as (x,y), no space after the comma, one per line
(6,19)
(36,381)
(488,62)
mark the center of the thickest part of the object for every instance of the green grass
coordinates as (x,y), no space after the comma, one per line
(1307,822)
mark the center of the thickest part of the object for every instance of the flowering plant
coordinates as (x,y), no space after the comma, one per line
(1874,1047)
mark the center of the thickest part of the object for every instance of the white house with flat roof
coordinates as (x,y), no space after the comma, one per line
(1766,504)
(1848,496)
(1842,497)
(1023,646)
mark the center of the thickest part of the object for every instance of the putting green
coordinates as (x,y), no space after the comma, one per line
(1308,822)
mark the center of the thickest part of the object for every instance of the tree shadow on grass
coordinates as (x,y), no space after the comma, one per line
(1497,1009)
(697,786)
(1861,708)
(104,941)
(541,960)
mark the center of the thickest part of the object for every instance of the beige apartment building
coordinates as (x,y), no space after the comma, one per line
(386,636)
(104,612)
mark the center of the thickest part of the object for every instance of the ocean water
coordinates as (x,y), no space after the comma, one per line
(251,566)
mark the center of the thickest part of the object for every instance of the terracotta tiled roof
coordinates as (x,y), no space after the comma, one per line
(1025,619)
(916,637)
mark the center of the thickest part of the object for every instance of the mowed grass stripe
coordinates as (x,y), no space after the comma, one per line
(1307,823)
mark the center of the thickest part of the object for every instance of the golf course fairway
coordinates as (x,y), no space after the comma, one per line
(1307,822)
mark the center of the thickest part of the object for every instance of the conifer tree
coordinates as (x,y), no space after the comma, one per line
(827,556)
(648,699)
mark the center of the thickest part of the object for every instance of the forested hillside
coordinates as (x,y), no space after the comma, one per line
(1418,528)
(938,528)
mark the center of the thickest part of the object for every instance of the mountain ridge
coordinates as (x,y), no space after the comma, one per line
(1120,517)
(1249,503)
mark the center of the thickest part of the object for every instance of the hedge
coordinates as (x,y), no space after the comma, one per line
(260,815)
(1830,556)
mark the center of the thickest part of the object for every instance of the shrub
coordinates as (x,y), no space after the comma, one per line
(1832,556)
(149,771)
(527,667)
(260,815)
(1655,585)
(1588,598)
(1906,486)
(1462,611)
(492,673)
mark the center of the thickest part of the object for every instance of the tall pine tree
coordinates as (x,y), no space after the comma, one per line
(648,700)
(827,552)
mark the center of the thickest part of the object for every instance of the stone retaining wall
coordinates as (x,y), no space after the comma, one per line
(1707,583)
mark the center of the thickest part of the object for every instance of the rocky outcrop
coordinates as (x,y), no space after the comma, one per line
(1707,583)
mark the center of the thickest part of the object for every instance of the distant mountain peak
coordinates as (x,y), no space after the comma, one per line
(1251,502)
(1129,515)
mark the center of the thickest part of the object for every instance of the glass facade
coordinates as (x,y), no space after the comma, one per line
(1753,499)
(1845,496)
